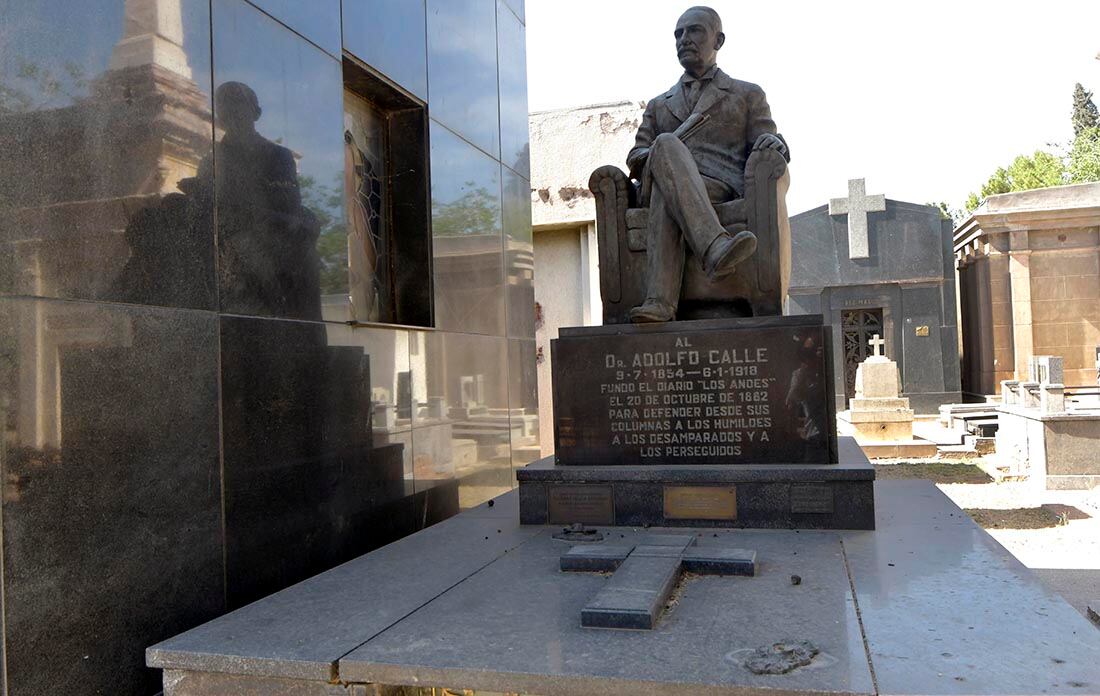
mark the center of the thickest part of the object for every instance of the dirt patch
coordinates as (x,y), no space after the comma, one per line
(1067,512)
(937,472)
(1017,518)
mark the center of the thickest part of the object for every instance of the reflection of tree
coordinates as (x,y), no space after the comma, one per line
(474,213)
(327,203)
(37,88)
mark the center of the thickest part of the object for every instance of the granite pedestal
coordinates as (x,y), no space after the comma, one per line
(717,423)
(771,496)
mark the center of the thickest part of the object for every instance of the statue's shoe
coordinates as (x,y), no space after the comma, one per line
(725,252)
(652,311)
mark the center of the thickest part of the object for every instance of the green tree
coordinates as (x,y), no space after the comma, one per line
(1085,114)
(1080,162)
(948,211)
(1040,170)
(327,203)
(477,212)
(1084,157)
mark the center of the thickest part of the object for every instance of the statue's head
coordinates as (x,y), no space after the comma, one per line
(237,107)
(698,38)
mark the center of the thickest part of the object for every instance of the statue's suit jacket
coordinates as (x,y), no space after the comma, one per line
(739,114)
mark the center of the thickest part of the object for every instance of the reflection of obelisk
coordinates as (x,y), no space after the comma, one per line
(152,35)
(144,126)
(150,75)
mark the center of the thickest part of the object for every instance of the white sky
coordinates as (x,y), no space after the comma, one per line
(923,99)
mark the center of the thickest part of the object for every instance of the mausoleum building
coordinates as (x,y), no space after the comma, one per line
(266,304)
(1029,284)
(872,265)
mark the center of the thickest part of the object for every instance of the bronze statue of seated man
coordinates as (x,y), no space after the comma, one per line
(690,155)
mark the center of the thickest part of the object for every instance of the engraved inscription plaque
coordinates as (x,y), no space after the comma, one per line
(813,498)
(754,392)
(700,502)
(580,504)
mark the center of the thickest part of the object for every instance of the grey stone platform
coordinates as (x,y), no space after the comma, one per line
(927,604)
(768,496)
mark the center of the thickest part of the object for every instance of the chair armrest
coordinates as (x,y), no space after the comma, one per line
(614,193)
(766,183)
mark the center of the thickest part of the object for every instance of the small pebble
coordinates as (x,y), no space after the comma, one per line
(796,579)
(491,503)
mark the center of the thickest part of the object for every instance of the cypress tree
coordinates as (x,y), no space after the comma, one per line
(1085,114)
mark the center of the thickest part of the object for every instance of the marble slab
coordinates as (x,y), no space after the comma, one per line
(301,632)
(948,610)
(515,627)
(927,604)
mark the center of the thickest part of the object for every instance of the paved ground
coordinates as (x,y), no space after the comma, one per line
(1066,557)
(1081,588)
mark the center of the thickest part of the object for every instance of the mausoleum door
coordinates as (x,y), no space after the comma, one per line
(858,326)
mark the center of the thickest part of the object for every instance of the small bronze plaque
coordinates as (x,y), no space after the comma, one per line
(923,331)
(583,504)
(700,502)
(813,498)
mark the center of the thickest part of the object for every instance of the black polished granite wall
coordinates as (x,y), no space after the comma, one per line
(188,422)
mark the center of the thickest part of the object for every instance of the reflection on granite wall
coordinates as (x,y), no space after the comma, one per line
(112,495)
(188,421)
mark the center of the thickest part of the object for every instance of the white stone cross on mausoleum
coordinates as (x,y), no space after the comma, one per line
(856,206)
(878,345)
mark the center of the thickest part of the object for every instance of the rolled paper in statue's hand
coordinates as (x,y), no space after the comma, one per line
(690,126)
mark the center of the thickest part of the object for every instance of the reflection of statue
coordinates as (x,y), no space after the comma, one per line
(804,400)
(171,254)
(691,156)
(267,256)
(266,240)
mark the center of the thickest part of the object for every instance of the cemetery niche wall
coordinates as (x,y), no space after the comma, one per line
(259,314)
(871,265)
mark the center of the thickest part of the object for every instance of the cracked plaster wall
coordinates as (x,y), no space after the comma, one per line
(566,146)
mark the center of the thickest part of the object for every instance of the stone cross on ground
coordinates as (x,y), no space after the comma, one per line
(645,573)
(878,345)
(856,206)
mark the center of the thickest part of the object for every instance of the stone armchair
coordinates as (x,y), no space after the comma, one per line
(756,289)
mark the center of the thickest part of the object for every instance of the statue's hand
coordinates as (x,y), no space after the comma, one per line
(770,141)
(636,162)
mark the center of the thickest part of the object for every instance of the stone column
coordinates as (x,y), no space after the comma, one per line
(1019,271)
(152,35)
